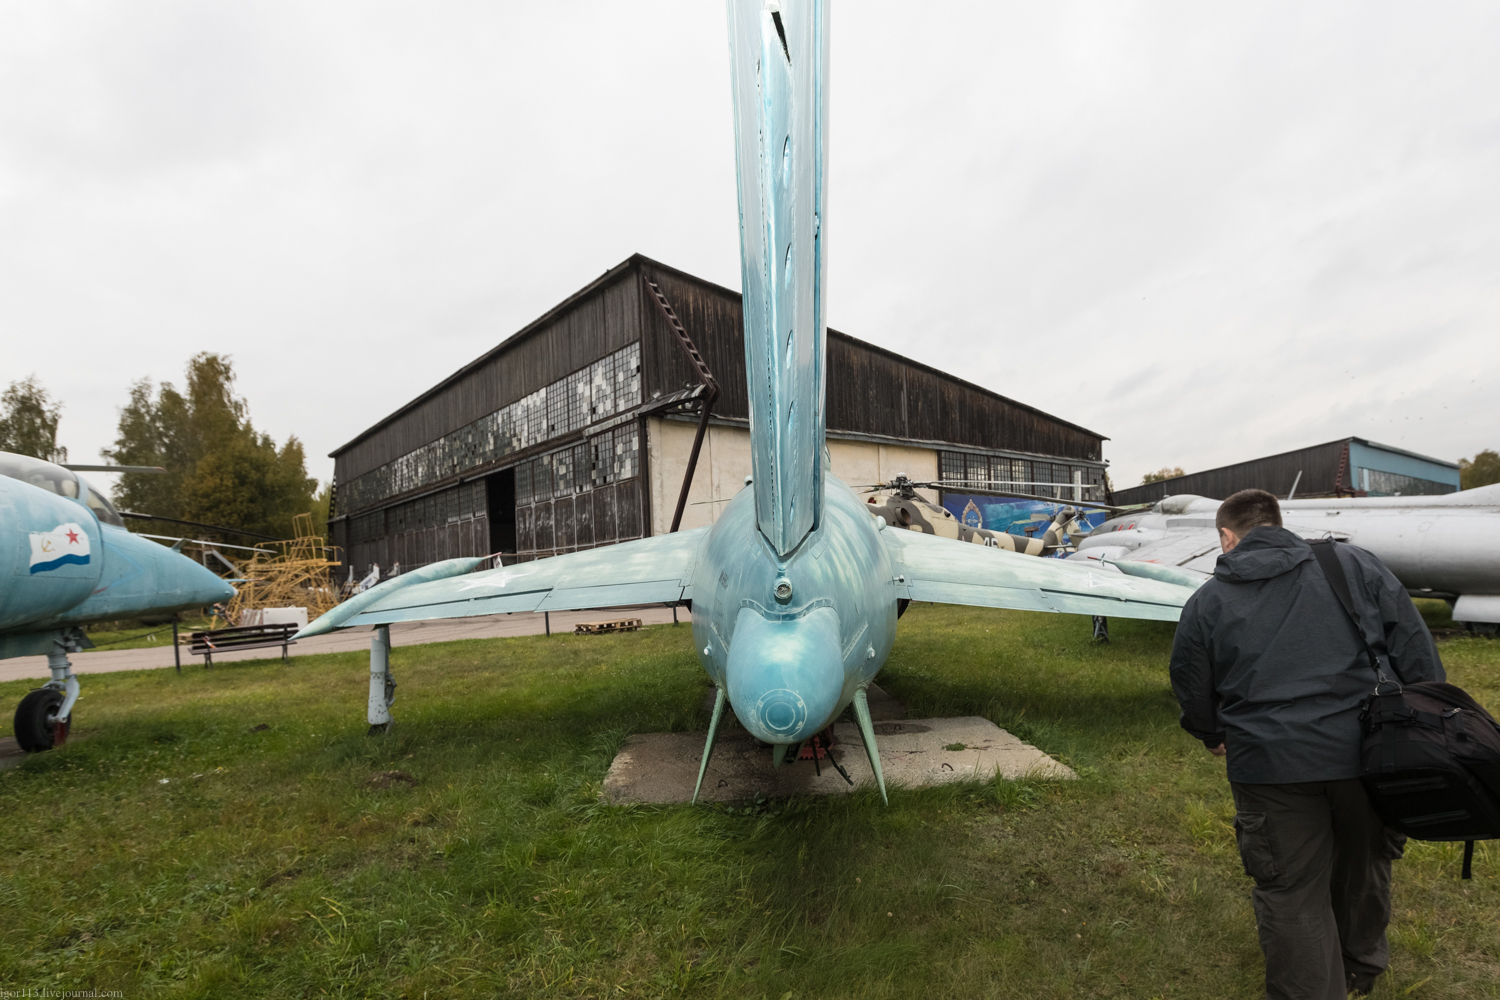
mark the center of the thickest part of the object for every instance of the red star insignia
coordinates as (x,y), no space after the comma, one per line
(72,537)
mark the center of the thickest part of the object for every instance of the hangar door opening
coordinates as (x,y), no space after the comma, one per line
(501,488)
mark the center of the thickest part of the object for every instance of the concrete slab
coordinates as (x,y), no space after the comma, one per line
(11,753)
(662,767)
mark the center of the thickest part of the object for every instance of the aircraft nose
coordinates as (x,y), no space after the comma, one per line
(785,677)
(204,586)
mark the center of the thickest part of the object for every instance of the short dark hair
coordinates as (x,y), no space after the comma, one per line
(1248,509)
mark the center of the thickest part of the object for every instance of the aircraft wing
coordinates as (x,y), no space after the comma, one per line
(1192,548)
(641,572)
(945,571)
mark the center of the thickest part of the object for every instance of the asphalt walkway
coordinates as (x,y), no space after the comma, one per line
(102,661)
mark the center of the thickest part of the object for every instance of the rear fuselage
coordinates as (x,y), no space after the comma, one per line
(791,661)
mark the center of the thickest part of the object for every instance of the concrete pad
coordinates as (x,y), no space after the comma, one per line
(662,767)
(11,753)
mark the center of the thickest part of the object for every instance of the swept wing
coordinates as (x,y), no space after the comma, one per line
(944,571)
(646,571)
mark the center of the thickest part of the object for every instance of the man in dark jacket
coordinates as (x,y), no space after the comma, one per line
(1269,669)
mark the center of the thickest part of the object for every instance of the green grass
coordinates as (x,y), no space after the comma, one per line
(268,864)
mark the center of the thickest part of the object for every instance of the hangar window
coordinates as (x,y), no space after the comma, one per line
(616,455)
(607,387)
(950,466)
(1053,480)
(562,473)
(1378,483)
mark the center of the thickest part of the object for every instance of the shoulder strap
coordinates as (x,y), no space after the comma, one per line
(1338,581)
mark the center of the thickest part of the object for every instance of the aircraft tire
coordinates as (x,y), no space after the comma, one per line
(34,733)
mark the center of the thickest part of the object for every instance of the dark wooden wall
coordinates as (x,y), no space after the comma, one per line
(870,391)
(1318,464)
(590,324)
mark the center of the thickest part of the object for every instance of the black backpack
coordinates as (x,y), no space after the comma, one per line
(1430,754)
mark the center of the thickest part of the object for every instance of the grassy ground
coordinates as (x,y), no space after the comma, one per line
(226,833)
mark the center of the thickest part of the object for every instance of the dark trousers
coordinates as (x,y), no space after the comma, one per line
(1321,860)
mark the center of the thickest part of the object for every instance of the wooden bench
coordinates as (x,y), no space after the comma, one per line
(612,625)
(225,640)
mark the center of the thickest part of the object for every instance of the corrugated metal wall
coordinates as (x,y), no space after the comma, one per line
(1319,466)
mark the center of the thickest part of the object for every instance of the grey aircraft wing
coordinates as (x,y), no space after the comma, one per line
(646,571)
(944,571)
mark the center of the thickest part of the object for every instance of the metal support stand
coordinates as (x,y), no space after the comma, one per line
(547,620)
(1101,629)
(176,649)
(708,747)
(867,732)
(382,684)
(705,379)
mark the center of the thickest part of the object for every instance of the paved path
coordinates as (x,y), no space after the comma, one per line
(103,661)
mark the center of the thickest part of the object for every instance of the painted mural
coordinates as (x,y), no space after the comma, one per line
(1019,517)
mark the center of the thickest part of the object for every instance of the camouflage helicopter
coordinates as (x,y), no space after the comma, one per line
(903,507)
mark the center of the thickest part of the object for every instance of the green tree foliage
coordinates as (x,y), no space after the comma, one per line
(28,421)
(1482,471)
(220,470)
(1164,472)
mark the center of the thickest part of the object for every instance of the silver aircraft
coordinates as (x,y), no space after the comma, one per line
(794,590)
(1445,546)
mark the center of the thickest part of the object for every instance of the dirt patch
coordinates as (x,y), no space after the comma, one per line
(387,779)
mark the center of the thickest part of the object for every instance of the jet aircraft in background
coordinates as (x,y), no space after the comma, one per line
(1445,546)
(794,589)
(68,562)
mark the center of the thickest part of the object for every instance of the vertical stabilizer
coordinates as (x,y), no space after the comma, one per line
(779,59)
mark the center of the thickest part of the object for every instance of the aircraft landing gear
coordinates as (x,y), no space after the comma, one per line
(45,716)
(37,724)
(382,684)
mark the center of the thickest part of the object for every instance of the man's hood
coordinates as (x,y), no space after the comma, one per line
(1264,553)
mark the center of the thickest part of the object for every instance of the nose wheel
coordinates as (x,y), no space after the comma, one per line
(37,724)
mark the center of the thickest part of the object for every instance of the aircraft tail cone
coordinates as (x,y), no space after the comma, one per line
(708,746)
(784,677)
(867,731)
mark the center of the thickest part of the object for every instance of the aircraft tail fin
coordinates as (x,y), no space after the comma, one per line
(779,58)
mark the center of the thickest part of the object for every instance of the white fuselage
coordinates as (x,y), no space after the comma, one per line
(1443,546)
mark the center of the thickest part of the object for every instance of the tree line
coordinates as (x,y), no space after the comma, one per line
(220,469)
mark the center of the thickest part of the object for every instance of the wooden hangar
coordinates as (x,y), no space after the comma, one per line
(579,430)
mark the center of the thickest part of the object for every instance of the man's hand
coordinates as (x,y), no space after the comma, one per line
(1217,751)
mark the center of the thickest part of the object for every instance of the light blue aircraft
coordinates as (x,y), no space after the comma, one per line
(794,590)
(66,560)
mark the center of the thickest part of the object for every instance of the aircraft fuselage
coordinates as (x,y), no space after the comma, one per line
(791,659)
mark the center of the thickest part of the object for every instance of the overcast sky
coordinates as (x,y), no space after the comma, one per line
(1209,233)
